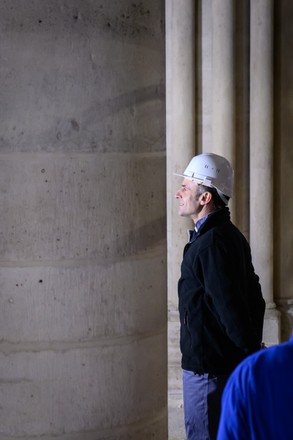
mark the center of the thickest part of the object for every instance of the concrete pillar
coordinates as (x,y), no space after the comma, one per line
(223,114)
(180,103)
(283,165)
(180,108)
(204,81)
(223,94)
(83,249)
(241,161)
(261,156)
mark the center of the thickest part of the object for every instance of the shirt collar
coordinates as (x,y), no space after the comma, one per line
(200,222)
(192,232)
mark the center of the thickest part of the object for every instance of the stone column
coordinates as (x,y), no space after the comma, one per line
(180,103)
(83,352)
(180,108)
(261,156)
(223,114)
(204,80)
(223,84)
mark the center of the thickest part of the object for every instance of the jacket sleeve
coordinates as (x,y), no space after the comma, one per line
(256,305)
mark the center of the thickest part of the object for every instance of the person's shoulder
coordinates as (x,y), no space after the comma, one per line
(276,351)
(265,358)
(278,354)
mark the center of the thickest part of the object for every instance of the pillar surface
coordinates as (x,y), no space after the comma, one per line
(223,115)
(181,129)
(180,108)
(261,155)
(283,231)
(223,83)
(83,250)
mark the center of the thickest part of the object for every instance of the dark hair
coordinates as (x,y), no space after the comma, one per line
(216,200)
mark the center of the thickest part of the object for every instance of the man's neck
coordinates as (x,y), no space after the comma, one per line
(207,210)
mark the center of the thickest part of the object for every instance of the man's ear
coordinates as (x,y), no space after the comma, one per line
(205,198)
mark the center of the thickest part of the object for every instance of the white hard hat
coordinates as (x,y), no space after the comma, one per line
(211,170)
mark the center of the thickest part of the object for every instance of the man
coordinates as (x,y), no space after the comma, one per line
(258,399)
(220,302)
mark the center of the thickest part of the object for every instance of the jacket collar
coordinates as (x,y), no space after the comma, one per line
(215,218)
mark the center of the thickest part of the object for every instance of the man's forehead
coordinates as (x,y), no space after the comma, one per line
(189,183)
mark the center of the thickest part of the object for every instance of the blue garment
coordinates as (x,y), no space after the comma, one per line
(202,399)
(200,222)
(257,402)
(192,232)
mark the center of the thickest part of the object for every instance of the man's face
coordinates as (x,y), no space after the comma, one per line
(188,197)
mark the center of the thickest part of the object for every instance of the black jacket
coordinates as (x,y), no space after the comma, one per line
(220,301)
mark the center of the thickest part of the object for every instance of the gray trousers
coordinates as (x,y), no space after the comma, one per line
(202,404)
